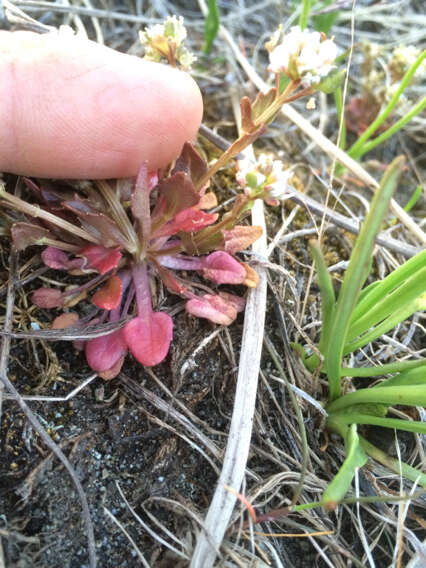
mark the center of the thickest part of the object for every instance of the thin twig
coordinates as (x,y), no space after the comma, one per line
(238,445)
(349,225)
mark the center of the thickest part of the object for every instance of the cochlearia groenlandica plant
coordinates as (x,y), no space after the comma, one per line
(125,235)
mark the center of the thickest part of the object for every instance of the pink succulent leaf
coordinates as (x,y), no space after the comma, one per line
(191,163)
(109,296)
(113,372)
(222,268)
(176,194)
(102,353)
(180,262)
(47,298)
(149,337)
(236,301)
(68,319)
(188,221)
(240,238)
(59,260)
(27,234)
(212,307)
(101,258)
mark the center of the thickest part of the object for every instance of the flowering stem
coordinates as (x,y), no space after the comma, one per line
(143,291)
(232,151)
(245,140)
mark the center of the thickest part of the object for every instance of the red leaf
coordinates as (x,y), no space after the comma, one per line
(47,298)
(188,221)
(214,308)
(103,353)
(222,268)
(59,260)
(240,238)
(26,234)
(109,296)
(191,163)
(169,280)
(101,258)
(176,194)
(149,341)
(68,319)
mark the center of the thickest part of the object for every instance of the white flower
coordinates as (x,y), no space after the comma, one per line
(406,54)
(266,175)
(248,173)
(303,55)
(167,40)
(402,59)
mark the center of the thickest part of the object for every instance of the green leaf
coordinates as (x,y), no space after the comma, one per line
(400,367)
(416,376)
(324,22)
(404,295)
(413,395)
(327,292)
(355,458)
(211,25)
(332,82)
(394,423)
(377,290)
(356,273)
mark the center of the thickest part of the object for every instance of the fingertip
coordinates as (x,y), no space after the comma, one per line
(75,109)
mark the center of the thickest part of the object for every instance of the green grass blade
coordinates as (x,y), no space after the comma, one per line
(377,290)
(328,299)
(356,273)
(338,101)
(413,395)
(417,109)
(400,297)
(355,458)
(397,367)
(390,322)
(413,376)
(211,25)
(417,193)
(396,423)
(393,464)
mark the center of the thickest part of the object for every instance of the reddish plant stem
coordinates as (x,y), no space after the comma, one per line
(143,292)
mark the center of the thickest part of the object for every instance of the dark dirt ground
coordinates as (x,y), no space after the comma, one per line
(159,435)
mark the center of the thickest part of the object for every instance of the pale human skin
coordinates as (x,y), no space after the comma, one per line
(71,108)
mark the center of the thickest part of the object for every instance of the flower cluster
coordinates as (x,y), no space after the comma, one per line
(301,55)
(381,83)
(403,57)
(265,179)
(127,236)
(167,41)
